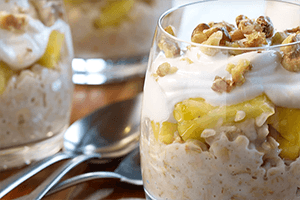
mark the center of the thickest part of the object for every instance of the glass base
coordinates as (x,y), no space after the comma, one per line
(24,155)
(148,196)
(99,71)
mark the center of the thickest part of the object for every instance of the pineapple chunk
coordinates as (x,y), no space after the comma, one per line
(289,150)
(164,132)
(52,53)
(192,129)
(74,2)
(191,108)
(286,122)
(113,13)
(5,74)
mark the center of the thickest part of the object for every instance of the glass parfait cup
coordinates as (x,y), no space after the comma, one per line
(35,80)
(112,38)
(221,103)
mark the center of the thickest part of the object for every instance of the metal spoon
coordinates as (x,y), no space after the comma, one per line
(128,171)
(109,132)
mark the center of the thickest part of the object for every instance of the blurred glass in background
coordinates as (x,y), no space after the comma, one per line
(112,38)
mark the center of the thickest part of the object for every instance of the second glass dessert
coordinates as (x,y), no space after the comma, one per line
(36,86)
(221,108)
(112,38)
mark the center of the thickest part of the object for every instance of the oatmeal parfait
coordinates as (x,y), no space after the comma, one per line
(112,29)
(112,38)
(221,108)
(35,80)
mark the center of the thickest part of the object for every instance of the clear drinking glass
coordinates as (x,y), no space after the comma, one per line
(112,38)
(221,107)
(35,80)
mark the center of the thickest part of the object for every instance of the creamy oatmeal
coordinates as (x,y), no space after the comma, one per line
(223,124)
(35,73)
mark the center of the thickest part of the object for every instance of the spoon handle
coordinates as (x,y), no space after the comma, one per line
(82,178)
(12,182)
(91,176)
(42,189)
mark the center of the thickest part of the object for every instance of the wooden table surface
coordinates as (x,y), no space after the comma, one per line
(85,100)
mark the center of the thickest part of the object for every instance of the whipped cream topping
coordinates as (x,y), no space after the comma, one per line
(21,50)
(195,80)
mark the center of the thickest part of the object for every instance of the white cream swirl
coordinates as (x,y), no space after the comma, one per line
(195,80)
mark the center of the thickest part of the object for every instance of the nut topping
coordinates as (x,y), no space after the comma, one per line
(291,61)
(165,69)
(237,71)
(222,85)
(213,40)
(15,23)
(168,46)
(198,36)
(266,24)
(255,39)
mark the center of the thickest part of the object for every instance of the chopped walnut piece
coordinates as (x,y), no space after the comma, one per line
(225,36)
(169,47)
(213,40)
(237,71)
(293,30)
(222,85)
(165,69)
(187,59)
(255,39)
(237,34)
(226,25)
(247,26)
(236,44)
(15,23)
(170,29)
(197,35)
(291,61)
(239,18)
(291,54)
(189,47)
(266,25)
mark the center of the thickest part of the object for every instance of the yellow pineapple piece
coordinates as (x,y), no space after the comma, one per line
(289,150)
(52,53)
(113,13)
(164,132)
(5,74)
(192,129)
(74,2)
(191,108)
(286,122)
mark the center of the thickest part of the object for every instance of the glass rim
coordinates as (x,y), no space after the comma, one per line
(159,24)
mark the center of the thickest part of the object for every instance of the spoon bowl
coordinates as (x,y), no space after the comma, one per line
(106,130)
(109,132)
